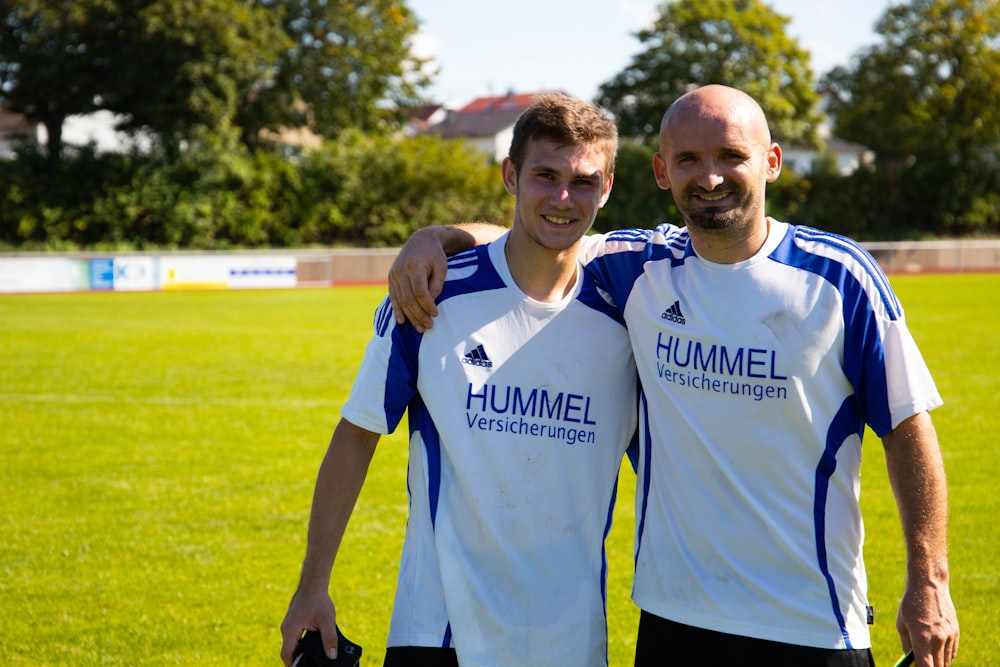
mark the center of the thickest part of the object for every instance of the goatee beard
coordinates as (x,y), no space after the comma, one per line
(714,219)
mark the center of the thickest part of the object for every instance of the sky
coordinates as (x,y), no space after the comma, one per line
(488,47)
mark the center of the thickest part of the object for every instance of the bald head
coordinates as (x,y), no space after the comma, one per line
(722,104)
(717,157)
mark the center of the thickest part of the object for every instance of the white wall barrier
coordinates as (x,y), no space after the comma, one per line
(139,272)
(42,274)
(937,256)
(74,272)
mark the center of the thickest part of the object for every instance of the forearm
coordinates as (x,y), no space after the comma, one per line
(462,236)
(338,485)
(927,622)
(916,473)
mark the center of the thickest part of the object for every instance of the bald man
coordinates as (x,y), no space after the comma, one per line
(764,350)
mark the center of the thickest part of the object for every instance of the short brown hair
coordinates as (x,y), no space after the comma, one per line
(566,121)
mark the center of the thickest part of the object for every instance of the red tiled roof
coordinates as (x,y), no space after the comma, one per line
(485,116)
(516,101)
(423,113)
(476,123)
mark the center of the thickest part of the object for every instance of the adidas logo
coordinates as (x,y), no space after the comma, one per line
(674,314)
(478,358)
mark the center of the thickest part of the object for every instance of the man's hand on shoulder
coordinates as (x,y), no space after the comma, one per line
(417,275)
(416,278)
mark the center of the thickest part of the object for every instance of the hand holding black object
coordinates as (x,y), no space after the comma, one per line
(309,652)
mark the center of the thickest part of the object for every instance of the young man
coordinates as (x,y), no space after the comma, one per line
(521,403)
(764,349)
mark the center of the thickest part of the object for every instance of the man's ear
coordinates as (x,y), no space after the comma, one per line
(607,190)
(660,171)
(509,176)
(773,163)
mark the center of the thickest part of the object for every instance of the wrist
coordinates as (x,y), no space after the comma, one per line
(315,577)
(452,239)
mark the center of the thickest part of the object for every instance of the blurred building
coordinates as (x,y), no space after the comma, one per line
(15,130)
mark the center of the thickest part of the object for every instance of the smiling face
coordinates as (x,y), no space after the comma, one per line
(559,190)
(716,155)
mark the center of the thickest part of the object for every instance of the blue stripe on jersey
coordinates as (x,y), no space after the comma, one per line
(862,257)
(420,420)
(864,360)
(604,563)
(643,484)
(604,552)
(465,258)
(401,378)
(383,315)
(470,271)
(845,424)
(591,297)
(675,238)
(629,235)
(617,271)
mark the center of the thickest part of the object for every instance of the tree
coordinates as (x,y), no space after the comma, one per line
(184,67)
(930,88)
(741,43)
(348,63)
(53,60)
(165,65)
(925,100)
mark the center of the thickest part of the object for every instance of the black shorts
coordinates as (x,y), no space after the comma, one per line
(661,643)
(420,656)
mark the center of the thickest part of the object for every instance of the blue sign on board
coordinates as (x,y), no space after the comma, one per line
(102,274)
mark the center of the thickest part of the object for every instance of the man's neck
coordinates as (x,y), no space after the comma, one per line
(729,246)
(543,274)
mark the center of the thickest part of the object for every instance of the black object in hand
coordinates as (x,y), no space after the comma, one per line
(310,653)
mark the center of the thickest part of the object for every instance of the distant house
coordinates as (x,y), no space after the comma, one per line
(486,123)
(97,129)
(847,156)
(15,129)
(292,140)
(422,119)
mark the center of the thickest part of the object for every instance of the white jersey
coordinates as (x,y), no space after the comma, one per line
(758,379)
(519,413)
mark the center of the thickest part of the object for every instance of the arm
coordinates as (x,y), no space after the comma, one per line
(338,484)
(927,621)
(417,275)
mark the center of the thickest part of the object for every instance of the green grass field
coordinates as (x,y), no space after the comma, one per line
(159,450)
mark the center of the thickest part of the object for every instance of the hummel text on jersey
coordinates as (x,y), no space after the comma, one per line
(573,408)
(535,413)
(477,358)
(674,314)
(719,369)
(741,362)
